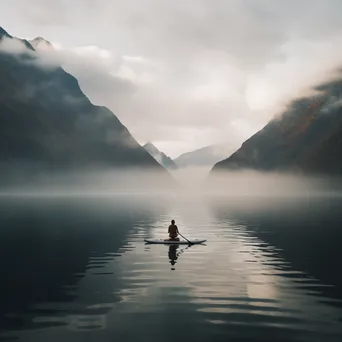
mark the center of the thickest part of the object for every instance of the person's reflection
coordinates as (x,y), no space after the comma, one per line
(173,256)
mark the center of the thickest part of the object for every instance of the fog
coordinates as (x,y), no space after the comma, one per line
(33,179)
(270,184)
(191,183)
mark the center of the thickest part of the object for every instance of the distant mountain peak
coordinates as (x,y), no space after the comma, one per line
(41,39)
(160,157)
(3,32)
(149,144)
(206,156)
(39,43)
(151,148)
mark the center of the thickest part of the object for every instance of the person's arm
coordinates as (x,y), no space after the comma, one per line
(168,230)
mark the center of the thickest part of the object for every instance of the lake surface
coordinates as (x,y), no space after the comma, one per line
(77,269)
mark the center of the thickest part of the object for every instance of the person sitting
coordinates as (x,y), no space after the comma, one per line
(173,231)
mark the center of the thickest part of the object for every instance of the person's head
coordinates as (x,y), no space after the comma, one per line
(173,222)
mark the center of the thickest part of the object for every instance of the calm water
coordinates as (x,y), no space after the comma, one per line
(78,270)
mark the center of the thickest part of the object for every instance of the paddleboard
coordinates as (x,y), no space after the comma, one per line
(174,242)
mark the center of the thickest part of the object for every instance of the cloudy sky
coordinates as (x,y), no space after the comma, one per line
(185,74)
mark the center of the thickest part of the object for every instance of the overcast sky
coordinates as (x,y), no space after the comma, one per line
(190,73)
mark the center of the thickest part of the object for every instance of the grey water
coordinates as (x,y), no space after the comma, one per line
(77,269)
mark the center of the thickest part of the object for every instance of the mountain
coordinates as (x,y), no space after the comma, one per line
(49,126)
(40,43)
(205,156)
(3,33)
(306,138)
(5,37)
(160,157)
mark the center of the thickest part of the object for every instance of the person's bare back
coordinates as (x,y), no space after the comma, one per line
(173,230)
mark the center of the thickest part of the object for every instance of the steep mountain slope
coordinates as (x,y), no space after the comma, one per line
(160,157)
(206,156)
(307,138)
(48,124)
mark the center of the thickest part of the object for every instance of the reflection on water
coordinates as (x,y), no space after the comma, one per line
(305,232)
(173,255)
(174,252)
(79,270)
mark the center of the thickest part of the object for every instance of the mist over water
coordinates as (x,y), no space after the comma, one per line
(188,182)
(248,183)
(77,267)
(88,182)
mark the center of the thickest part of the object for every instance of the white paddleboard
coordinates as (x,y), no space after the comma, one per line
(174,242)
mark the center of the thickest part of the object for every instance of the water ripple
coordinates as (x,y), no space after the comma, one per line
(236,287)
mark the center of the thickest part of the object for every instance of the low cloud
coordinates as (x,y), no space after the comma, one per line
(14,46)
